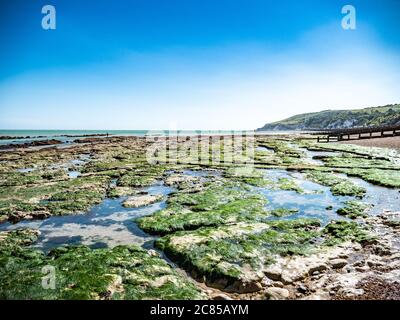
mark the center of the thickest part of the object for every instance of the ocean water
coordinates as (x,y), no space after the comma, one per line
(54,133)
(68,136)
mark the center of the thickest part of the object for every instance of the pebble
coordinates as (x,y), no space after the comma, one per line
(274,293)
(338,263)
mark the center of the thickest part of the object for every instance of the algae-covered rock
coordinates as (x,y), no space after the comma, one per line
(289,185)
(210,207)
(141,200)
(352,161)
(53,198)
(339,231)
(247,175)
(283,212)
(232,257)
(117,192)
(9,240)
(387,178)
(338,185)
(353,209)
(123,272)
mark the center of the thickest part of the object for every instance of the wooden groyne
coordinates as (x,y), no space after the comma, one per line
(334,135)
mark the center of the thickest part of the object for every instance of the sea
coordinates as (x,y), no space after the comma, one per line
(68,136)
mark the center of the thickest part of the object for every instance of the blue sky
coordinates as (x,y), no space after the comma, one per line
(192,64)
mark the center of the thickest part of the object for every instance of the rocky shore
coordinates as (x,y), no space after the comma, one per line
(292,219)
(37,143)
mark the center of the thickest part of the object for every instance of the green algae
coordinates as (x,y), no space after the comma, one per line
(284,152)
(339,186)
(9,179)
(340,231)
(212,206)
(351,149)
(289,184)
(55,197)
(352,161)
(353,209)
(10,240)
(282,148)
(141,176)
(283,212)
(386,178)
(116,192)
(123,272)
(229,253)
(247,175)
(74,201)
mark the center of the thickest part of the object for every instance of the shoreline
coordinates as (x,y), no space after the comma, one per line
(45,141)
(299,217)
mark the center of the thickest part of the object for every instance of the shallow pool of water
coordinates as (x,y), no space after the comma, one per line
(313,203)
(380,198)
(317,201)
(110,224)
(105,225)
(73,174)
(265,149)
(312,156)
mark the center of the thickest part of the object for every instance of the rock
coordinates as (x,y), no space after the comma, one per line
(36,143)
(395,256)
(267,282)
(178,180)
(141,200)
(239,286)
(121,192)
(317,267)
(350,292)
(359,263)
(249,287)
(362,269)
(317,296)
(302,288)
(221,296)
(153,253)
(374,262)
(277,284)
(345,284)
(382,250)
(348,269)
(274,272)
(41,214)
(275,293)
(298,269)
(338,263)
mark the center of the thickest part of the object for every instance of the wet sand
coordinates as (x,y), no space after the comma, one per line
(388,142)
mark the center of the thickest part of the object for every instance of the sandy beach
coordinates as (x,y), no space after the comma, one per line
(389,142)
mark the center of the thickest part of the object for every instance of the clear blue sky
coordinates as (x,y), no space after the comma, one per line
(192,64)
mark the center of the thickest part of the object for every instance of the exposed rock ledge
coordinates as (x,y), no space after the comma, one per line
(141,200)
(348,271)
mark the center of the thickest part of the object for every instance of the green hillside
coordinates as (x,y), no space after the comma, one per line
(337,119)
